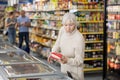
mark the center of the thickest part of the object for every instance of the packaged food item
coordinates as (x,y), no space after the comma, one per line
(116,65)
(112,62)
(56,56)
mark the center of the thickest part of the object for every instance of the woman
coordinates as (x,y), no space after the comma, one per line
(70,43)
(11,23)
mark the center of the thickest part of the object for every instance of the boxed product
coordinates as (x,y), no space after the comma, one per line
(56,56)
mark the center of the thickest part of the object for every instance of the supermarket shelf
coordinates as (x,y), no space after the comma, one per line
(92,50)
(92,32)
(113,20)
(111,30)
(44,36)
(50,28)
(118,40)
(93,69)
(49,10)
(91,10)
(111,12)
(43,44)
(56,38)
(46,19)
(88,59)
(111,40)
(35,18)
(117,30)
(91,21)
(113,55)
(93,41)
(115,4)
(41,35)
(87,3)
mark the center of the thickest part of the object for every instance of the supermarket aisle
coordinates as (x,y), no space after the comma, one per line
(88,76)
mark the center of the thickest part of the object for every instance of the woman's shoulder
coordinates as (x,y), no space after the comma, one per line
(79,35)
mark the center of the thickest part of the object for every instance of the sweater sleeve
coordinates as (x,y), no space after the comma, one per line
(78,60)
(56,47)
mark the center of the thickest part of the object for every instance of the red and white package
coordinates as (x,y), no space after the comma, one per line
(55,56)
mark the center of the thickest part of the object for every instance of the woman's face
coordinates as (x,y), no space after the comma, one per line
(69,27)
(12,16)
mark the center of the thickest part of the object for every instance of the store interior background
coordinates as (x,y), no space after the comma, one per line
(46,16)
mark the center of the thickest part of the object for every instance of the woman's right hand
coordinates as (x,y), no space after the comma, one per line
(49,59)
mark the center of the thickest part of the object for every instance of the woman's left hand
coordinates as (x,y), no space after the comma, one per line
(64,60)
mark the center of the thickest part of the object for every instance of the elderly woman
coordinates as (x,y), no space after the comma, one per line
(70,43)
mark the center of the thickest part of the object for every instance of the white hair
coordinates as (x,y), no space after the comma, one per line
(69,18)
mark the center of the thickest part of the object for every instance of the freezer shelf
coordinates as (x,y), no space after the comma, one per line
(16,64)
(22,69)
(35,71)
(16,57)
(4,46)
(55,76)
(46,76)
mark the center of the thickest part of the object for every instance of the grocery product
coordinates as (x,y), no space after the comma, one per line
(56,56)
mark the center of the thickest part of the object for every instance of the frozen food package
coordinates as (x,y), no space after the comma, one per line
(56,56)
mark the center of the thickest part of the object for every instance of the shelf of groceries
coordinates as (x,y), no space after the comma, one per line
(46,22)
(113,24)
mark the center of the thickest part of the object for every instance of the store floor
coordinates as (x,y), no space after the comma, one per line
(88,76)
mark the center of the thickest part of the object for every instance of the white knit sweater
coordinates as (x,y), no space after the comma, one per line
(72,46)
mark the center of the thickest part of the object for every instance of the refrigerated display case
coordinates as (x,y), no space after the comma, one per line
(5,46)
(112,39)
(16,64)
